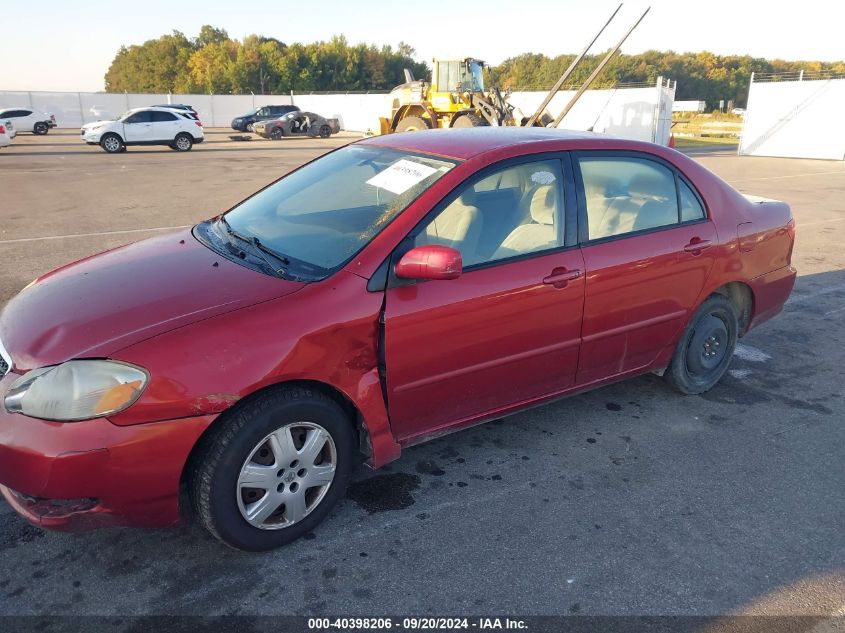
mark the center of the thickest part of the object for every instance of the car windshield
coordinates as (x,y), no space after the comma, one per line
(327,211)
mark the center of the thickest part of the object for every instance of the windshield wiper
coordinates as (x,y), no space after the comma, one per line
(259,247)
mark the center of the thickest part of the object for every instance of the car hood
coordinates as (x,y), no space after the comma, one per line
(96,123)
(99,305)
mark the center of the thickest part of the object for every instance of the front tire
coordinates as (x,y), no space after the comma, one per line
(411,124)
(183,142)
(41,128)
(276,134)
(273,469)
(706,348)
(470,119)
(112,143)
(250,127)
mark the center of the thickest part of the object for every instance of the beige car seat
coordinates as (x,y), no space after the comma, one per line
(458,226)
(538,234)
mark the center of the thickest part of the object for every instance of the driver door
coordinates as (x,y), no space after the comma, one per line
(507,331)
(138,127)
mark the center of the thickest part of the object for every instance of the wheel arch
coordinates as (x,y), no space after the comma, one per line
(346,404)
(413,109)
(742,296)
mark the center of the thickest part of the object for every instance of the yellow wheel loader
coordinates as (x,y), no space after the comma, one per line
(456,96)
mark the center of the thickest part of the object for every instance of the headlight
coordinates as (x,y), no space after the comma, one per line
(76,390)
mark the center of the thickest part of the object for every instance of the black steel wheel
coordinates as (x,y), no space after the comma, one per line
(706,347)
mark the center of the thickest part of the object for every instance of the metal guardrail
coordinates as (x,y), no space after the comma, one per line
(798,75)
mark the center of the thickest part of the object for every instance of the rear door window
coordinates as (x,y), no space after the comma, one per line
(627,194)
(163,117)
(691,208)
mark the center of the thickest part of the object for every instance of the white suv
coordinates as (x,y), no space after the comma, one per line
(145,126)
(28,120)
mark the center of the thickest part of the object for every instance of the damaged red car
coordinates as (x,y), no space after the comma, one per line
(391,291)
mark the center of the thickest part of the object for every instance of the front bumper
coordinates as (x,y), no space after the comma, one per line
(82,475)
(91,136)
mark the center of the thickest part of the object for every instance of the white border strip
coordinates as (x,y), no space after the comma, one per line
(62,237)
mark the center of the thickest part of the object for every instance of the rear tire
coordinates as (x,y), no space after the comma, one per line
(411,124)
(251,469)
(470,119)
(183,142)
(112,143)
(41,128)
(706,348)
(325,131)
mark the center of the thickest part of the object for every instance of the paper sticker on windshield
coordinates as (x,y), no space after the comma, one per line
(401,176)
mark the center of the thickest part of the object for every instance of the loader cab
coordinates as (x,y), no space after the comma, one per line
(462,75)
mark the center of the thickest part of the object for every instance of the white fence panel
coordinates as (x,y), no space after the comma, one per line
(627,112)
(795,119)
(63,105)
(96,107)
(15,100)
(359,112)
(631,113)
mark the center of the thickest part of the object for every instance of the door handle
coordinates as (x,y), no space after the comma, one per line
(696,245)
(560,277)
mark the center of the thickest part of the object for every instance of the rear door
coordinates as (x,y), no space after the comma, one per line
(165,126)
(648,248)
(505,332)
(21,120)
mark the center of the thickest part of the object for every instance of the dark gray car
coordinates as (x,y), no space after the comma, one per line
(297,124)
(246,122)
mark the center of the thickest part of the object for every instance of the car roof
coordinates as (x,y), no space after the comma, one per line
(465,143)
(159,108)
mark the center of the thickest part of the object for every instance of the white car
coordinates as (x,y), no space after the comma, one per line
(10,127)
(5,134)
(145,126)
(29,120)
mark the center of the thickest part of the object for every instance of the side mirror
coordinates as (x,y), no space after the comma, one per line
(430,262)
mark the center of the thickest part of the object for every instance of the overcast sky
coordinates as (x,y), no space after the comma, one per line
(54,45)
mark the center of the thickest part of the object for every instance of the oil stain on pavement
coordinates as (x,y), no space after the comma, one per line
(384,492)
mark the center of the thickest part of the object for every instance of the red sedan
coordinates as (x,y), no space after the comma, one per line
(391,291)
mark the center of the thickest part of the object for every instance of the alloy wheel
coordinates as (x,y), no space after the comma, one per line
(112,144)
(286,476)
